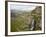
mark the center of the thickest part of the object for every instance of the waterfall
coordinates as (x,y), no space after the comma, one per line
(32,25)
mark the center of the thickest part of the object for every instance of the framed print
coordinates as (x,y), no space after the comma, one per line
(24,18)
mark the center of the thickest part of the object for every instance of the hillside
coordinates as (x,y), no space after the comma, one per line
(37,17)
(22,20)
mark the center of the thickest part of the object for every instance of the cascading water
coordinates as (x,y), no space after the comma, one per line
(32,25)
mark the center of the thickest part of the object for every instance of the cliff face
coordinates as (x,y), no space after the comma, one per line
(36,14)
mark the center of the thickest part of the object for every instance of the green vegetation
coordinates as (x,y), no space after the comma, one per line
(21,21)
(37,17)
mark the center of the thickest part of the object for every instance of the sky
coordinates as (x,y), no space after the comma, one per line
(21,7)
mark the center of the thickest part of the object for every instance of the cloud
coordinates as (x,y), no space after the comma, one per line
(22,6)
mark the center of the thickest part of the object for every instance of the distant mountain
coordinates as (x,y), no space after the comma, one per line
(16,11)
(19,11)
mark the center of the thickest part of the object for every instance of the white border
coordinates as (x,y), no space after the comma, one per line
(27,32)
